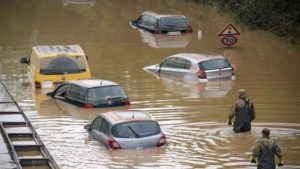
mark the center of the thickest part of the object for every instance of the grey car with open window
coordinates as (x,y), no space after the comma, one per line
(194,66)
(91,93)
(127,130)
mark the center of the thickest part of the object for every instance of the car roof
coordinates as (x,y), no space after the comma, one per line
(54,50)
(115,117)
(197,57)
(164,15)
(91,83)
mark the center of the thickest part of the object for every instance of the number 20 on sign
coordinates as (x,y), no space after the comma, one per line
(229,40)
(229,34)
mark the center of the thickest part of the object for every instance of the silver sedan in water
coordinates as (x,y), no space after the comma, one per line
(127,130)
(195,67)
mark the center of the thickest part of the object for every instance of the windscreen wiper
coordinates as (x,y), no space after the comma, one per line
(131,129)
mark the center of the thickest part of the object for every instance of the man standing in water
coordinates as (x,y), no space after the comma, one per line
(243,113)
(265,150)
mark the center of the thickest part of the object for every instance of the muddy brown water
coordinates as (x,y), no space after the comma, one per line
(193,116)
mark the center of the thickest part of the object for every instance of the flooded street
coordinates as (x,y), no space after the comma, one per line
(192,115)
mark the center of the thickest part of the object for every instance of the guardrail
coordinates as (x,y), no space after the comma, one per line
(25,146)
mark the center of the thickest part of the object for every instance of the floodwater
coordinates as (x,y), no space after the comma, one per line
(193,116)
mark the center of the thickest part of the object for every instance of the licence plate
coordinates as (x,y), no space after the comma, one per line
(174,33)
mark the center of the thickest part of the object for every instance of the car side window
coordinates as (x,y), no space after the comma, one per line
(149,21)
(77,93)
(140,19)
(62,91)
(182,63)
(168,63)
(104,127)
(97,123)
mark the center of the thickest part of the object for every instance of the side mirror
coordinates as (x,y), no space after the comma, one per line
(134,22)
(88,127)
(50,94)
(24,61)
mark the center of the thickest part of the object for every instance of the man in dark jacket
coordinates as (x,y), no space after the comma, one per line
(243,113)
(265,150)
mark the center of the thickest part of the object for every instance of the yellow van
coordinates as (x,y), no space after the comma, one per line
(51,65)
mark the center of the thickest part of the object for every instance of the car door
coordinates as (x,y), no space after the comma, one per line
(148,22)
(61,91)
(76,95)
(95,127)
(100,130)
(180,67)
(166,66)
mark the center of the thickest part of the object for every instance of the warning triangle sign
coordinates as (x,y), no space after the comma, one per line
(229,30)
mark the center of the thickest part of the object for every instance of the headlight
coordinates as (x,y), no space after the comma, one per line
(46,84)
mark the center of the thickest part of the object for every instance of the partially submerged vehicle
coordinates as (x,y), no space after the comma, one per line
(195,67)
(171,24)
(91,93)
(51,65)
(127,130)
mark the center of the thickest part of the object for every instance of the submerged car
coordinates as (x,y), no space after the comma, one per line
(50,65)
(91,93)
(194,67)
(127,130)
(172,24)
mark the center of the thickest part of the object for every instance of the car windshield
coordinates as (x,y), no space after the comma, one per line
(62,65)
(136,129)
(214,64)
(173,22)
(105,93)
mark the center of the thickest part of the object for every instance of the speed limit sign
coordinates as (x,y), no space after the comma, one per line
(229,34)
(229,40)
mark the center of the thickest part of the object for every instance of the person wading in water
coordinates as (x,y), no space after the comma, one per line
(265,150)
(243,113)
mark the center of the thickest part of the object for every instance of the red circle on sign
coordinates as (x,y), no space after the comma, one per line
(229,40)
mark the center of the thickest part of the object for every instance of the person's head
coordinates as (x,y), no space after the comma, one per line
(242,93)
(265,133)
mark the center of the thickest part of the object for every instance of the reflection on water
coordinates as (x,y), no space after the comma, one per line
(192,116)
(192,89)
(165,41)
(88,2)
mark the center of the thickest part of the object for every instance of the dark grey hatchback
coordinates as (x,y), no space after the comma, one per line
(171,24)
(92,93)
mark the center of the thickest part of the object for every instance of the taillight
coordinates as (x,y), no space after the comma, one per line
(201,74)
(127,102)
(37,84)
(162,141)
(233,71)
(189,30)
(88,105)
(157,32)
(112,143)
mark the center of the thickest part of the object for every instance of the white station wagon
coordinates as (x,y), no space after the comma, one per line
(194,66)
(126,130)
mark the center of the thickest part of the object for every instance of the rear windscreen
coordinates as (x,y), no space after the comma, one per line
(105,93)
(136,129)
(214,64)
(62,65)
(173,22)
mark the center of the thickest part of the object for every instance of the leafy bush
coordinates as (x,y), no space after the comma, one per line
(279,16)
